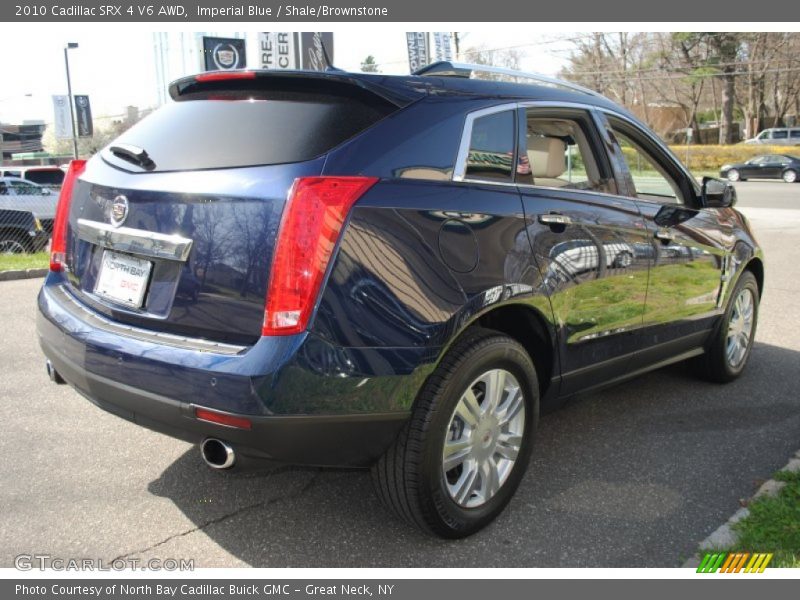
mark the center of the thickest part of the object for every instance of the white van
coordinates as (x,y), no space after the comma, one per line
(777,136)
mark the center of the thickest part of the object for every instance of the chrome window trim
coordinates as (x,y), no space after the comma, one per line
(135,241)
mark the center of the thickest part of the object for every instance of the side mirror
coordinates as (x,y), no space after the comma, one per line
(716,193)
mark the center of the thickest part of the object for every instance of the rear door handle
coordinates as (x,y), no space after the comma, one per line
(665,235)
(555,219)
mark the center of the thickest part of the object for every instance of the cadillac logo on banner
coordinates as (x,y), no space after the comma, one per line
(223,54)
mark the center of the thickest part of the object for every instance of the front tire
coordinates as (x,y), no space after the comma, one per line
(460,458)
(727,356)
(789,176)
(733,175)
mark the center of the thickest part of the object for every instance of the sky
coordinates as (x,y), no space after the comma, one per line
(114,64)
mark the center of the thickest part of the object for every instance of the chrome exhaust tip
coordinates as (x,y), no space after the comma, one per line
(53,374)
(217,454)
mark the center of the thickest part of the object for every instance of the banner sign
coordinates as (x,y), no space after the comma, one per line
(83,114)
(278,50)
(442,48)
(417,43)
(312,54)
(62,120)
(223,54)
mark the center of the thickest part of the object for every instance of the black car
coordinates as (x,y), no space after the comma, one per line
(767,166)
(389,272)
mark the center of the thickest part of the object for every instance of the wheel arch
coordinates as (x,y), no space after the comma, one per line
(526,325)
(756,267)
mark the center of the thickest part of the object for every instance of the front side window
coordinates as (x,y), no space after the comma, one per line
(491,148)
(650,179)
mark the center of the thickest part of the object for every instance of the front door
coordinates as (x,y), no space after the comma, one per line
(688,264)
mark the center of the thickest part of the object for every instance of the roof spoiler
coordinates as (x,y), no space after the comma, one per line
(209,82)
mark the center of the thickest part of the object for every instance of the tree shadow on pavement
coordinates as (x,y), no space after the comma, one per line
(634,475)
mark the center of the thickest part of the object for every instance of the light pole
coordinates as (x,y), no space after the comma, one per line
(68,47)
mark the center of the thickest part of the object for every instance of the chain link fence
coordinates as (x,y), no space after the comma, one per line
(27,212)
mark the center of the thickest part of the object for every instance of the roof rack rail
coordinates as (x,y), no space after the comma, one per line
(468,71)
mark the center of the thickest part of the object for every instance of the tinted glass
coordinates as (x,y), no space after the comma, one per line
(206,134)
(46,177)
(491,149)
(794,133)
(780,135)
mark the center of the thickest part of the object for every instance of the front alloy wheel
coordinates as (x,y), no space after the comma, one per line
(740,327)
(733,175)
(729,348)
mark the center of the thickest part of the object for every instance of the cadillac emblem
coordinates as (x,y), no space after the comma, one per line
(119,211)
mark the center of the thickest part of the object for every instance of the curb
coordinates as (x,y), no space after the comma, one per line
(22,274)
(725,536)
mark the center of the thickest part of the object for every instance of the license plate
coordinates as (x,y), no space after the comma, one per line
(123,278)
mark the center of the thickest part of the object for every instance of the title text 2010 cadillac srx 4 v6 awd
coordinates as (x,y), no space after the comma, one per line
(395,272)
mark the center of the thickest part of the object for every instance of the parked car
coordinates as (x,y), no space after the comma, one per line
(372,260)
(777,136)
(26,196)
(21,231)
(767,166)
(50,177)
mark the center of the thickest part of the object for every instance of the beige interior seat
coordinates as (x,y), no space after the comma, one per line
(548,162)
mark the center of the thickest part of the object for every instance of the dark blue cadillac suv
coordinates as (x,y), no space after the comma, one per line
(330,268)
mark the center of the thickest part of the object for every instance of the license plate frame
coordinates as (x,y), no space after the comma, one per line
(123,279)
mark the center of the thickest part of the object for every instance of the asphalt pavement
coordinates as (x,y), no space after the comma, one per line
(632,476)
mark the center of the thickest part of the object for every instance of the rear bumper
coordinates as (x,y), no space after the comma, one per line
(159,387)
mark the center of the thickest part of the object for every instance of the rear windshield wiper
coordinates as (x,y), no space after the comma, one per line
(133,154)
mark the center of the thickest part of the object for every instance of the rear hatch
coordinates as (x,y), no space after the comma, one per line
(173,226)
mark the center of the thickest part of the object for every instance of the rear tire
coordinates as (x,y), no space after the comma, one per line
(456,496)
(727,356)
(789,176)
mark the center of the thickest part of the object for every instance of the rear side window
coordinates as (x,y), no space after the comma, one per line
(491,148)
(249,129)
(780,135)
(795,134)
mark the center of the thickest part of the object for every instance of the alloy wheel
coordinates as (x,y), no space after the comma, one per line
(483,438)
(740,327)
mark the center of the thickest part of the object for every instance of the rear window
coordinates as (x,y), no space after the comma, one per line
(249,128)
(46,176)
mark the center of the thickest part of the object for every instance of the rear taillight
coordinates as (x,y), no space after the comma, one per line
(312,220)
(58,244)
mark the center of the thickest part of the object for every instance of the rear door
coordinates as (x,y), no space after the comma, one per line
(589,242)
(688,259)
(173,226)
